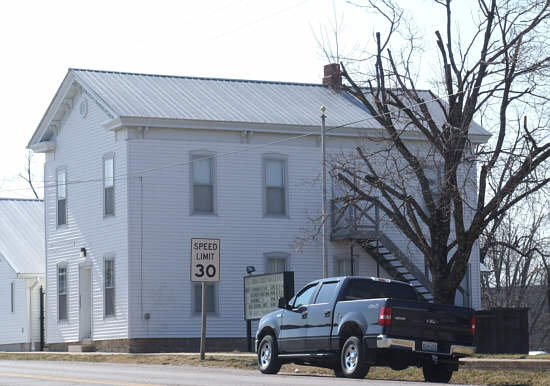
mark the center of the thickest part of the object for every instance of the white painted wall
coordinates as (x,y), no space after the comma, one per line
(13,325)
(159,272)
(150,234)
(81,145)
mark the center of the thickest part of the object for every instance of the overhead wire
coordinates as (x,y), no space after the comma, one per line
(48,184)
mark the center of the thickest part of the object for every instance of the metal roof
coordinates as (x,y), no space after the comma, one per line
(208,99)
(22,234)
(192,99)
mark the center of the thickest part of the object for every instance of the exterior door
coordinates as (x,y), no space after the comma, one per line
(320,318)
(85,303)
(292,336)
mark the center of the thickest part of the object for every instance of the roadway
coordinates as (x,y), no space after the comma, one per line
(46,373)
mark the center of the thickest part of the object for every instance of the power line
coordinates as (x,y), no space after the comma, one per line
(49,184)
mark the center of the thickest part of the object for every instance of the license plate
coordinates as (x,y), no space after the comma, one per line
(429,346)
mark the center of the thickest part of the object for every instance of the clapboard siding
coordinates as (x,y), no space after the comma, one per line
(81,145)
(13,325)
(246,235)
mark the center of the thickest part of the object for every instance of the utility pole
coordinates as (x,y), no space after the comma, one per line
(324,251)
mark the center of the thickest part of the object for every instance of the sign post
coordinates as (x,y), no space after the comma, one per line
(205,267)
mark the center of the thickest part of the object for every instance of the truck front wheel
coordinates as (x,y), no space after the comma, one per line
(352,358)
(437,373)
(268,356)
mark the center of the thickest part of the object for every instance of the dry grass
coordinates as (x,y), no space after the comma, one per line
(488,377)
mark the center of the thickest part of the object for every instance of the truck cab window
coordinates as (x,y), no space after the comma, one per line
(304,297)
(326,293)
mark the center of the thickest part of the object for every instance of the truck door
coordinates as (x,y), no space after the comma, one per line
(292,335)
(319,318)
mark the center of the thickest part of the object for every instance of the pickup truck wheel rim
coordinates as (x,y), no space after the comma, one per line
(350,357)
(265,355)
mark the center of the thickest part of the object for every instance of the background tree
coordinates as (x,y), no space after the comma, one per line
(516,252)
(27,175)
(498,76)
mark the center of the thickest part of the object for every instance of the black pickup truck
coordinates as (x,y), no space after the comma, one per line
(351,323)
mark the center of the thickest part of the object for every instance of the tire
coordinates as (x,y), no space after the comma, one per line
(352,359)
(268,355)
(338,373)
(437,373)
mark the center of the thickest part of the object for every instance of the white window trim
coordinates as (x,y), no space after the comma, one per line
(196,286)
(336,259)
(66,266)
(203,154)
(59,169)
(110,155)
(278,157)
(277,255)
(109,257)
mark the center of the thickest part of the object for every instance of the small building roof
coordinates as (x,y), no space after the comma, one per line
(193,99)
(22,234)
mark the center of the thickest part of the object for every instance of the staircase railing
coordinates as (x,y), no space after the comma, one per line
(353,218)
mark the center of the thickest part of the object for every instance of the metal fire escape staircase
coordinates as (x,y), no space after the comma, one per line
(360,223)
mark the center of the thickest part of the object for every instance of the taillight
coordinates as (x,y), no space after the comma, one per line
(384,318)
(473,330)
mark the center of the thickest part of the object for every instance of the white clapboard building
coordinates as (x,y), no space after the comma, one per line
(21,273)
(138,165)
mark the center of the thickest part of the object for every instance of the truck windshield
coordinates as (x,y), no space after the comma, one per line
(358,289)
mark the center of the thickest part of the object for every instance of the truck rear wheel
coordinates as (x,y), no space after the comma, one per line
(268,355)
(437,373)
(352,359)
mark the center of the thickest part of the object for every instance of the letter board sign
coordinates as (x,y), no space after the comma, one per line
(205,260)
(262,293)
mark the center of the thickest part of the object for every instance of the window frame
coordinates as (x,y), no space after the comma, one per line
(108,156)
(197,286)
(321,288)
(64,266)
(338,259)
(314,286)
(277,255)
(198,154)
(112,259)
(57,172)
(284,159)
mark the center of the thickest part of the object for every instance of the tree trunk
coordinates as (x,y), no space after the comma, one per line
(443,291)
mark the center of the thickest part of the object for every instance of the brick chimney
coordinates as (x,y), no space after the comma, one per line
(333,76)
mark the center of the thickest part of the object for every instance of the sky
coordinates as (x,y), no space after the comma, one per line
(242,39)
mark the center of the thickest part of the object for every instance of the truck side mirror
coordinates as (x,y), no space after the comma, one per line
(283,303)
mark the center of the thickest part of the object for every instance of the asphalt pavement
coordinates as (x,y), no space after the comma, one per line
(49,373)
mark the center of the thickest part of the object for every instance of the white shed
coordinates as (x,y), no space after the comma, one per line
(21,273)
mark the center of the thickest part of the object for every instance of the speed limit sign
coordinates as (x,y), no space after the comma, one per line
(205,260)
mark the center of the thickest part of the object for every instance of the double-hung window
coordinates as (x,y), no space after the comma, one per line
(62,293)
(203,183)
(61,185)
(275,179)
(109,289)
(210,298)
(276,262)
(109,185)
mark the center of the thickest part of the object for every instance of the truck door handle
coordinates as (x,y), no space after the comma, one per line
(304,314)
(327,313)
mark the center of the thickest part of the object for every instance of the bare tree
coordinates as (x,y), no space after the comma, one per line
(442,197)
(27,174)
(516,250)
